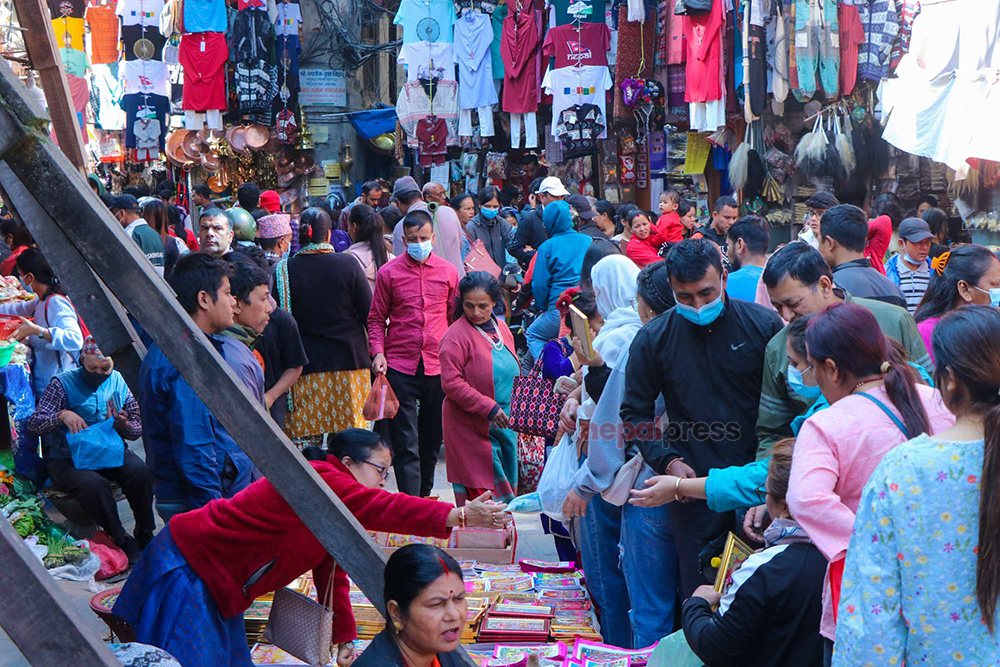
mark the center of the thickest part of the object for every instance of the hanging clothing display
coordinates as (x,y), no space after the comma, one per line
(142,43)
(578,85)
(496,18)
(140,12)
(205,16)
(144,108)
(519,49)
(288,48)
(289,18)
(203,56)
(473,36)
(485,6)
(103,24)
(636,54)
(579,128)
(852,34)
(110,114)
(426,20)
(68,32)
(428,60)
(559,11)
(148,77)
(704,52)
(817,46)
(755,54)
(901,46)
(74,62)
(881,24)
(413,103)
(587,46)
(432,136)
(74,8)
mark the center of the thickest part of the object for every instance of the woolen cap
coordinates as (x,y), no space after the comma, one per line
(270,201)
(404,185)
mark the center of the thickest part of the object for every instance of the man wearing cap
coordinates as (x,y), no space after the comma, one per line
(910,270)
(274,235)
(84,418)
(125,208)
(586,225)
(530,232)
(447,229)
(270,201)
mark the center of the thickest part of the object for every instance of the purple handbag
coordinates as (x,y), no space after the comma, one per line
(534,404)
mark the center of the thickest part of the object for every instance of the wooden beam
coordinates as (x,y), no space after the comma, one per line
(36,614)
(72,205)
(104,315)
(33,16)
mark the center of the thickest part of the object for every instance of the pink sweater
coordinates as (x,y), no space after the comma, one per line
(835,454)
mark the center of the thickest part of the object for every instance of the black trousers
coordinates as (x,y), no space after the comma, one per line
(415,435)
(694,526)
(92,489)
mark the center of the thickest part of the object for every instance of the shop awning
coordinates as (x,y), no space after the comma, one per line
(945,100)
(369,124)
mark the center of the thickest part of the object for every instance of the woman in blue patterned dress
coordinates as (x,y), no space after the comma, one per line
(922,576)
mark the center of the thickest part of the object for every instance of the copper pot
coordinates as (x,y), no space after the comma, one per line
(238,139)
(273,145)
(173,149)
(257,137)
(210,162)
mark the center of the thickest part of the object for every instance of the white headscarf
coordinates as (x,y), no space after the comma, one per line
(615,282)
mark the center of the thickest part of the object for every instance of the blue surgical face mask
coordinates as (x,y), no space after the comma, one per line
(795,383)
(910,260)
(994,293)
(488,213)
(420,251)
(25,285)
(703,316)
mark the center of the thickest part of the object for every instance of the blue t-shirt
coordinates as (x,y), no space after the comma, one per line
(426,20)
(205,16)
(742,284)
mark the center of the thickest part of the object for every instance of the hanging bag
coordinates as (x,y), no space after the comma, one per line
(381,402)
(618,493)
(534,404)
(302,626)
(479,260)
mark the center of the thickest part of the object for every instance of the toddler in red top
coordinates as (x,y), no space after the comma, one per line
(669,225)
(643,248)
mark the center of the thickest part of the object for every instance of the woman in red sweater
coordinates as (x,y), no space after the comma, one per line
(646,239)
(188,592)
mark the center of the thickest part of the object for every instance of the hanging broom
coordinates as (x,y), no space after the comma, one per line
(845,149)
(739,164)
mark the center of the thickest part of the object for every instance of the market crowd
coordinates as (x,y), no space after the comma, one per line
(834,403)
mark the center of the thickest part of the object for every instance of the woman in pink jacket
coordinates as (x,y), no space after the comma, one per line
(875,405)
(478,367)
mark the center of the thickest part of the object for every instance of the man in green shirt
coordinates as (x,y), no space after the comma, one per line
(125,208)
(800,282)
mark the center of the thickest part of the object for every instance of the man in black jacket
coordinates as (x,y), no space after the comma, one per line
(586,224)
(530,231)
(706,357)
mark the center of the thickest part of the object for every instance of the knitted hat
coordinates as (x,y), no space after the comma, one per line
(274,226)
(270,201)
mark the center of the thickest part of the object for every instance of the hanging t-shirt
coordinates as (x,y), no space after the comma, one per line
(144,107)
(473,38)
(428,60)
(499,14)
(69,33)
(110,115)
(140,12)
(578,85)
(519,48)
(289,18)
(588,46)
(103,34)
(203,56)
(143,43)
(205,16)
(79,91)
(426,20)
(74,62)
(485,6)
(559,11)
(74,8)
(578,128)
(144,76)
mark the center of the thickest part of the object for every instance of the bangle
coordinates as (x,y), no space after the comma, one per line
(461,517)
(677,487)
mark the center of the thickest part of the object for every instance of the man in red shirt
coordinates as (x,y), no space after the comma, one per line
(415,293)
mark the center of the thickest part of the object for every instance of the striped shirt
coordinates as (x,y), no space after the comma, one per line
(913,283)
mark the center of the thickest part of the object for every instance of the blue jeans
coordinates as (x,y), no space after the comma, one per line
(541,331)
(601,536)
(649,559)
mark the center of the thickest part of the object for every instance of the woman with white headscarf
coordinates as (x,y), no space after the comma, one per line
(646,562)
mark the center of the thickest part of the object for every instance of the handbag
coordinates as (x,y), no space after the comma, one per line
(617,494)
(534,404)
(530,461)
(479,260)
(302,626)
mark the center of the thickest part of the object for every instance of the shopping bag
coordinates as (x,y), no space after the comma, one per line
(534,404)
(530,461)
(557,477)
(381,402)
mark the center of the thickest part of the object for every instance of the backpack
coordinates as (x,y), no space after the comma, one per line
(83,327)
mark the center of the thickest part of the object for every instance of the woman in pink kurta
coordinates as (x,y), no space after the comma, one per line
(478,366)
(875,405)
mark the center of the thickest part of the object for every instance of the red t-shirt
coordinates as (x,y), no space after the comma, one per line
(670,227)
(587,47)
(203,56)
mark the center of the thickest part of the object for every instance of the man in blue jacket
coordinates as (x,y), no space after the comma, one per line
(191,455)
(557,268)
(910,270)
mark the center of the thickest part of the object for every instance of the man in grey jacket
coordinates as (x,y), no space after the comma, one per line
(842,237)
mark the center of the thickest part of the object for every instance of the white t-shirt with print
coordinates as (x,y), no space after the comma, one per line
(140,12)
(428,60)
(578,85)
(289,18)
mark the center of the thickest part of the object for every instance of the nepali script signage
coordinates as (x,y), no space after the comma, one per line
(322,88)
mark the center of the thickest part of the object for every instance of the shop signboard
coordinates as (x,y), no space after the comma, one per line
(322,88)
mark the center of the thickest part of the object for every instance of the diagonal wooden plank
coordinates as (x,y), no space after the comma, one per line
(72,205)
(104,316)
(37,616)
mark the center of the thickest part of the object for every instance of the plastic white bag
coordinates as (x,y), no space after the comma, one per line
(557,477)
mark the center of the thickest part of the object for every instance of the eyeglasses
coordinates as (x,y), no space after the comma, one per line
(383,471)
(761,494)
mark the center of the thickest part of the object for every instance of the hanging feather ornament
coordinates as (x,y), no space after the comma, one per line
(811,151)
(832,166)
(965,189)
(845,149)
(738,165)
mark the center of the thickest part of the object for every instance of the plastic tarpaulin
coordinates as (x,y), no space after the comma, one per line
(945,100)
(370,124)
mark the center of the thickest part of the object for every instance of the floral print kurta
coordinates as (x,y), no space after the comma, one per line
(909,587)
